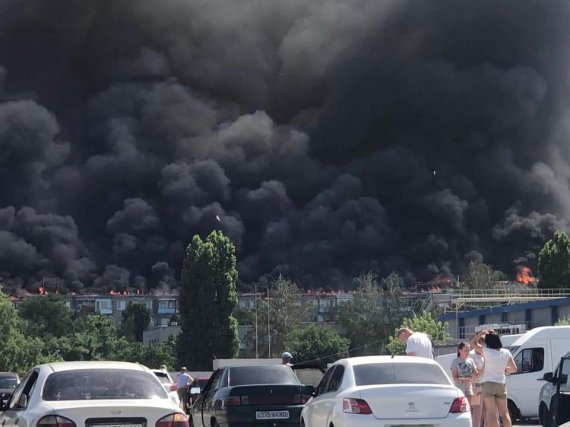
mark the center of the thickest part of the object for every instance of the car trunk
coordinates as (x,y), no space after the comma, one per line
(409,401)
(129,413)
(262,395)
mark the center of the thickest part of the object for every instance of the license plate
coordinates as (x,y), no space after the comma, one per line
(271,415)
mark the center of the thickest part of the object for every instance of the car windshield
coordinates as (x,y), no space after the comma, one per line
(8,382)
(399,373)
(97,384)
(244,375)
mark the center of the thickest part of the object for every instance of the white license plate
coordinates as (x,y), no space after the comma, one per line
(115,425)
(271,415)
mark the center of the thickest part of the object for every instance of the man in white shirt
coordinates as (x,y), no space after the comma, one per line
(417,343)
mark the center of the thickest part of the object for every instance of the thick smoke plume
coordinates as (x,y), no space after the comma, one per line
(326,138)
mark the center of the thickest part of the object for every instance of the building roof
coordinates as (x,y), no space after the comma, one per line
(506,308)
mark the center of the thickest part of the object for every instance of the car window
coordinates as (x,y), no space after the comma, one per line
(321,388)
(163,377)
(399,373)
(8,382)
(530,360)
(278,374)
(91,384)
(216,379)
(336,379)
(25,388)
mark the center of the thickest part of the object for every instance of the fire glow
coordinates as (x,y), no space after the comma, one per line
(524,275)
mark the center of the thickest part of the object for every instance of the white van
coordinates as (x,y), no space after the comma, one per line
(538,351)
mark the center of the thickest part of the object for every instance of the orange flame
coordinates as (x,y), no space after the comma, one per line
(524,275)
(42,291)
(113,292)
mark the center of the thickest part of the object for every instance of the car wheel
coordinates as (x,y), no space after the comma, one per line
(302,422)
(542,414)
(514,412)
(215,423)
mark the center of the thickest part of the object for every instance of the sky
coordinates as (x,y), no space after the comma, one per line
(325,138)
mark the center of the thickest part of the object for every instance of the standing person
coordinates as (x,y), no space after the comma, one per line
(286,358)
(498,362)
(182,384)
(417,343)
(477,400)
(464,371)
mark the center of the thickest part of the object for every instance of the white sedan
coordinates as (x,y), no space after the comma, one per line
(91,394)
(386,391)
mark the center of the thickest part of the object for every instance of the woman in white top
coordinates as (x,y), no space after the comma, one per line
(498,362)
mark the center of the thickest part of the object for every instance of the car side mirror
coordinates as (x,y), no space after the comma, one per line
(548,377)
(195,390)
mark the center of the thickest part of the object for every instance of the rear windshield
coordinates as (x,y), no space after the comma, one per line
(245,375)
(8,382)
(399,373)
(97,384)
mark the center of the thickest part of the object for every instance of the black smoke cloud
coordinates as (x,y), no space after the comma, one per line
(325,138)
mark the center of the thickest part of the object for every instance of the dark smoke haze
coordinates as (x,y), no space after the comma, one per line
(329,137)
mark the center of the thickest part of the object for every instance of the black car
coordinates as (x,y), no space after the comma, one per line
(8,382)
(559,411)
(239,396)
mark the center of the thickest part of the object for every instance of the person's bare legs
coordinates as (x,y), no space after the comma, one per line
(504,411)
(491,412)
(476,414)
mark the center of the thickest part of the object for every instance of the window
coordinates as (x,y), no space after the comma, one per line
(530,360)
(321,388)
(336,379)
(402,373)
(245,375)
(92,384)
(121,305)
(103,306)
(25,388)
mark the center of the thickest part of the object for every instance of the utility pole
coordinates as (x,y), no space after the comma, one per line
(268,326)
(256,345)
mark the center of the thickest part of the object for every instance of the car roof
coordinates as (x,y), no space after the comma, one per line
(80,365)
(362,360)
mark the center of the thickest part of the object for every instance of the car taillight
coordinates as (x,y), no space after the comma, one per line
(460,404)
(355,406)
(234,400)
(173,420)
(55,421)
(173,387)
(301,398)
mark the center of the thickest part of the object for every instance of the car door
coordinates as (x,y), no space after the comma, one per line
(560,405)
(199,405)
(14,414)
(523,385)
(212,401)
(316,408)
(330,397)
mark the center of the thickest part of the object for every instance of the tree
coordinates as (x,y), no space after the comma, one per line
(136,318)
(46,315)
(316,343)
(208,297)
(19,353)
(437,331)
(481,276)
(554,262)
(373,313)
(283,312)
